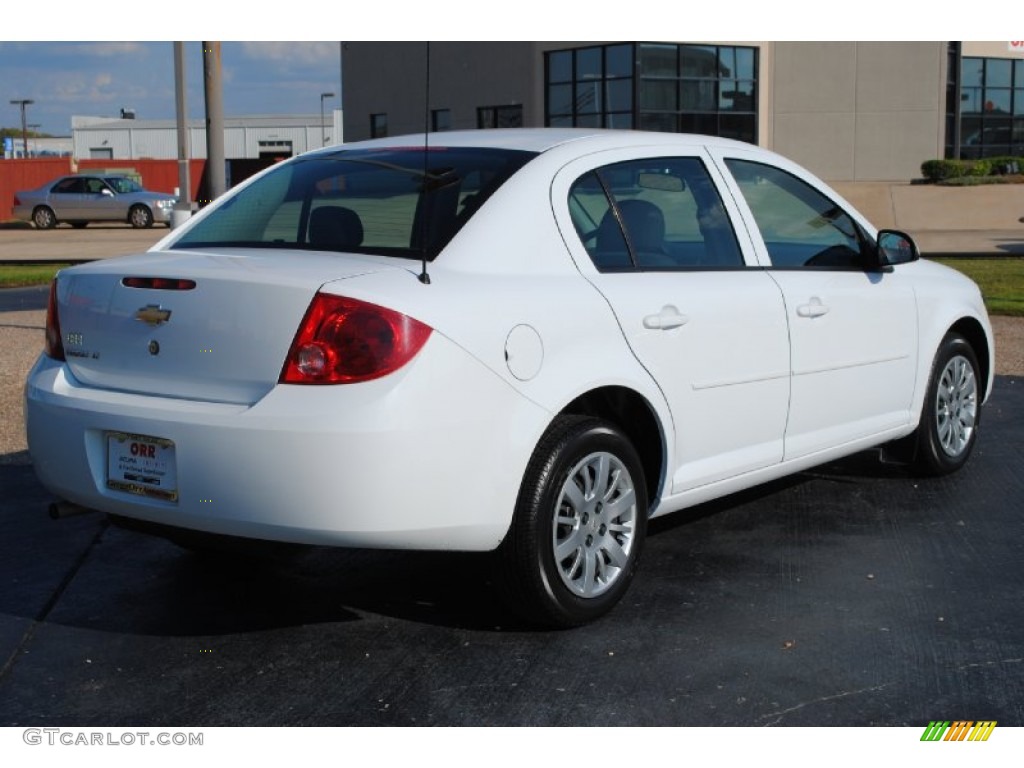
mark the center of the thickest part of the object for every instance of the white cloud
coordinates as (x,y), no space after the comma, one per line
(112,49)
(300,52)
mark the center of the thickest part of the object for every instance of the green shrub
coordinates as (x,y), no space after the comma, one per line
(1006,164)
(944,170)
(939,170)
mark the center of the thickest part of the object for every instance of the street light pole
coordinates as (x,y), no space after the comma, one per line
(323,125)
(34,127)
(24,123)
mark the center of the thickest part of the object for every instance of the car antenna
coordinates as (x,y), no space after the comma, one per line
(423,276)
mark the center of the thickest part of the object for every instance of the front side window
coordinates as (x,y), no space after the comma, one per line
(657,214)
(404,202)
(800,226)
(123,185)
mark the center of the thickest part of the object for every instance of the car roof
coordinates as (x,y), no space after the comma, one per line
(537,139)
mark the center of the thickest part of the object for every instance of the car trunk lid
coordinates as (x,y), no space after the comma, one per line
(212,326)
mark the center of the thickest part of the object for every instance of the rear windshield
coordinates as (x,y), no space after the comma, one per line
(400,202)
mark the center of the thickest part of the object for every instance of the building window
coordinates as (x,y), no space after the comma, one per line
(440,119)
(991,93)
(509,116)
(275,149)
(378,125)
(669,87)
(590,87)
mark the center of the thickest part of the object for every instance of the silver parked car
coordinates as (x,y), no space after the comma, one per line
(81,198)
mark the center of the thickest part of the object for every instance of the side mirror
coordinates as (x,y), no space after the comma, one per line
(895,247)
(107,192)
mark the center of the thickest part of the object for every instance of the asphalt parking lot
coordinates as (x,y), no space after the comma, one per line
(847,596)
(64,243)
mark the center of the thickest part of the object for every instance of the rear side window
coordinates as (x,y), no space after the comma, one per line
(657,214)
(403,202)
(72,186)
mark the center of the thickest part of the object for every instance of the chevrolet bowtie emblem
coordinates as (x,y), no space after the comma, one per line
(153,314)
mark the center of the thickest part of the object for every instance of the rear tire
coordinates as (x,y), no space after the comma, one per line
(952,409)
(44,218)
(579,524)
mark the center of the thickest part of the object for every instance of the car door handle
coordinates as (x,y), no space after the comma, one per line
(668,318)
(813,309)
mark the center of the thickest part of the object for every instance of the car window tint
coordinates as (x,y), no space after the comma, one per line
(122,185)
(94,186)
(662,213)
(392,202)
(596,225)
(74,185)
(800,226)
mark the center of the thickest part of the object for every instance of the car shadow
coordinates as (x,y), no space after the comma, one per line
(850,470)
(86,573)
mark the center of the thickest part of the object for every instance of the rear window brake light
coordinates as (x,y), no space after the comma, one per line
(159,283)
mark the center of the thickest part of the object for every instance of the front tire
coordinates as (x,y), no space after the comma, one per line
(140,217)
(952,409)
(579,524)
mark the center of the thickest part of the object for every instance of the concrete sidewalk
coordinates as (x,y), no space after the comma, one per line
(996,242)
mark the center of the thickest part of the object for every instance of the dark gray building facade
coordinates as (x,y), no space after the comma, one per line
(850,111)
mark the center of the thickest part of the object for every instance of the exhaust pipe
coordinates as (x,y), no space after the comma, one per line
(60,509)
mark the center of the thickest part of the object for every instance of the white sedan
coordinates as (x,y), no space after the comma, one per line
(528,341)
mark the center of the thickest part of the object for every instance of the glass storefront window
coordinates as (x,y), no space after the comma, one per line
(658,60)
(998,73)
(658,95)
(619,61)
(997,100)
(655,86)
(991,104)
(560,67)
(588,64)
(619,95)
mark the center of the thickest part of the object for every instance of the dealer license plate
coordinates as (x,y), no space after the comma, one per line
(142,465)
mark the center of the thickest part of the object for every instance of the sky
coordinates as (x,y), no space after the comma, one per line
(67,77)
(99,78)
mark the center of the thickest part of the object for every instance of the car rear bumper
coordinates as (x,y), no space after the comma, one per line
(430,457)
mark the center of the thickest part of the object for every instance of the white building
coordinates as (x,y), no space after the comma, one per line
(48,146)
(252,137)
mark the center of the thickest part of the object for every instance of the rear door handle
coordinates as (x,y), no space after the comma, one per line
(813,309)
(668,318)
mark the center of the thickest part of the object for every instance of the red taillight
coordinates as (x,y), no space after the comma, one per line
(54,345)
(16,201)
(343,340)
